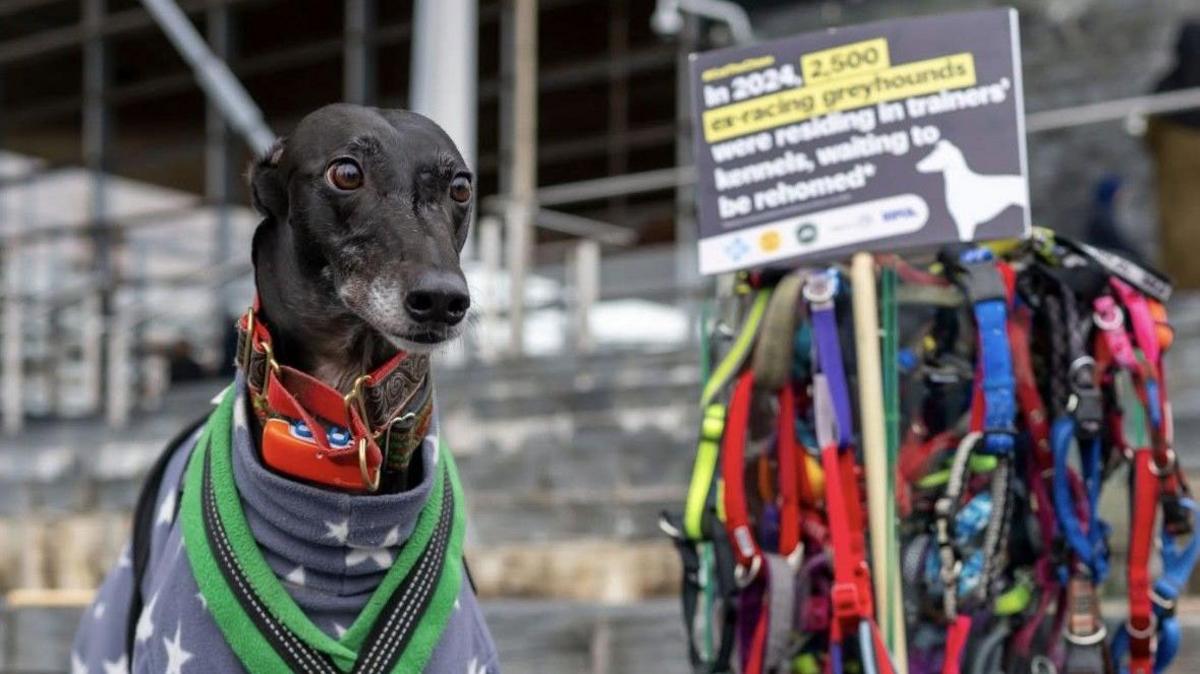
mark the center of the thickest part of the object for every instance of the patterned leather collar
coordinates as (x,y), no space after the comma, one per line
(316,433)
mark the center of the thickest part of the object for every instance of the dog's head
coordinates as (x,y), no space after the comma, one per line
(943,156)
(376,204)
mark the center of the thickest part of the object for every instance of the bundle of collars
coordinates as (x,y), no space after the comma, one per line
(1020,381)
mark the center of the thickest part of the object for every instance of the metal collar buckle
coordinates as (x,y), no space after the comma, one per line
(406,421)
(248,347)
(355,402)
(245,357)
(371,484)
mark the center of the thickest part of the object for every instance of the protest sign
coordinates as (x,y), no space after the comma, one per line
(900,134)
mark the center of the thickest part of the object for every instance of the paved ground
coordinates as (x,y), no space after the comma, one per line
(534,637)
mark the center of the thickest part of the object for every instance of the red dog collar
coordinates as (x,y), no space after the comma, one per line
(314,432)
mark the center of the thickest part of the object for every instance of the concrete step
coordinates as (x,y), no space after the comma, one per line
(533,637)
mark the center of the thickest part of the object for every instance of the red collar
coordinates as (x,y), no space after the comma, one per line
(314,432)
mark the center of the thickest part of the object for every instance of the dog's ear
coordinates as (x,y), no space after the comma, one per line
(268,185)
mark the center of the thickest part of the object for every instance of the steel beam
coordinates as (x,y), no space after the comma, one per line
(213,75)
(442,82)
(358,53)
(1114,110)
(10,7)
(67,37)
(685,210)
(12,358)
(618,104)
(603,188)
(551,79)
(561,151)
(96,139)
(135,19)
(557,78)
(519,21)
(218,169)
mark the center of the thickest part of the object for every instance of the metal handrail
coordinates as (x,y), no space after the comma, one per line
(570,224)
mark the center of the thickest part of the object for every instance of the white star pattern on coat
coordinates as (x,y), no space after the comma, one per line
(457,604)
(166,511)
(120,666)
(338,532)
(124,561)
(98,610)
(339,630)
(176,656)
(381,555)
(296,577)
(473,667)
(203,601)
(77,665)
(145,623)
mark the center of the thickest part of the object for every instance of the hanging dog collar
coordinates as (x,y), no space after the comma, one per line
(988,286)
(1078,409)
(851,595)
(1178,561)
(313,432)
(402,621)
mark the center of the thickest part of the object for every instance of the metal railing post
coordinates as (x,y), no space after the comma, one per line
(119,394)
(96,136)
(490,253)
(585,277)
(92,336)
(13,390)
(520,22)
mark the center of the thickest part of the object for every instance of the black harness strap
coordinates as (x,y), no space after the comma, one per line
(143,526)
(298,655)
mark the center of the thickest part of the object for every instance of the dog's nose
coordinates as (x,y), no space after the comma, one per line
(438,297)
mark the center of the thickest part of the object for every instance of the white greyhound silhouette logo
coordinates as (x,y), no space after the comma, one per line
(972,198)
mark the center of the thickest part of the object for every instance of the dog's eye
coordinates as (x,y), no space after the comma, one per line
(460,189)
(344,174)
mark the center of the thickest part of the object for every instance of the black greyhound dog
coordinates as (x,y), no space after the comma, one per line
(366,214)
(314,522)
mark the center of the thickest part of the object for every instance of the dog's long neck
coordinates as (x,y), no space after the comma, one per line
(311,329)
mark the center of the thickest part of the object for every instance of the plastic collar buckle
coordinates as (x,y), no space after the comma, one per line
(1177,514)
(1161,597)
(1092,639)
(1147,633)
(1107,316)
(1087,407)
(743,575)
(820,289)
(849,601)
(979,277)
